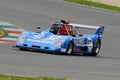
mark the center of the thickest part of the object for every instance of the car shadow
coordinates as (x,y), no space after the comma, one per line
(52,53)
(99,56)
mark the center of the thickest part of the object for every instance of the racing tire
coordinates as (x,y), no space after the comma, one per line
(96,47)
(69,48)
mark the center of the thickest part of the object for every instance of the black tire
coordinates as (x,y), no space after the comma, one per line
(96,47)
(69,48)
(23,49)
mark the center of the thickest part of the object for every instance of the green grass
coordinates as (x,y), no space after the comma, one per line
(10,77)
(96,4)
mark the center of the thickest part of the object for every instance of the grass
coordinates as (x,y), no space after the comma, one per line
(10,77)
(96,4)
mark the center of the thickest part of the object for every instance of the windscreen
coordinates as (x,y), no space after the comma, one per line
(80,31)
(54,28)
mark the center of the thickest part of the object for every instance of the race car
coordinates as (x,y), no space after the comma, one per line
(63,37)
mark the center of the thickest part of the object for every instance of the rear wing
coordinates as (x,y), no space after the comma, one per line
(99,29)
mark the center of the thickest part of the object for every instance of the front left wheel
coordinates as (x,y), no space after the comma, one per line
(69,48)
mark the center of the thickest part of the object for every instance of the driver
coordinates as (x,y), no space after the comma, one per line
(65,29)
(55,27)
(61,27)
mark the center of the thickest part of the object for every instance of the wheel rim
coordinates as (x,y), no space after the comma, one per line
(97,48)
(69,48)
(69,51)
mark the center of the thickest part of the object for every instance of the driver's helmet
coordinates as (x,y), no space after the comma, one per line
(55,26)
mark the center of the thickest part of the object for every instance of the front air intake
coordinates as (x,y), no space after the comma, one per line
(35,46)
(46,47)
(25,45)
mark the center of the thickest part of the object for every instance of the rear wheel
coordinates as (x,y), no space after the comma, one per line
(96,47)
(69,48)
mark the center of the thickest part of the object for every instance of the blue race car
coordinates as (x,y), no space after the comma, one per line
(63,37)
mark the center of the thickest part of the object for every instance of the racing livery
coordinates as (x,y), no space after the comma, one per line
(63,37)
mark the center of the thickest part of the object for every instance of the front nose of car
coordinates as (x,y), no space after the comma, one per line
(42,45)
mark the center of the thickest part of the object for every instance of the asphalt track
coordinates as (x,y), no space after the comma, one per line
(31,13)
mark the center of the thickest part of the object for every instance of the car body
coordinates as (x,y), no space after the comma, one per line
(71,42)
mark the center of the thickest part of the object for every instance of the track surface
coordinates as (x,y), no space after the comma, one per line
(31,13)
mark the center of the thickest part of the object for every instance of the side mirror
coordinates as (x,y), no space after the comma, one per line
(38,27)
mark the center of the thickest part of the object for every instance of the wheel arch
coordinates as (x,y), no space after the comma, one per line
(66,42)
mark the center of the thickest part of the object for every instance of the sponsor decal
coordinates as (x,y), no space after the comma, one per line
(79,42)
(55,37)
(63,50)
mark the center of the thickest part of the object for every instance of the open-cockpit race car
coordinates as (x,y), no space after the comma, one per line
(63,37)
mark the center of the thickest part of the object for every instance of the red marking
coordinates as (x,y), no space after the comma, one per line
(3,40)
(77,49)
(13,31)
